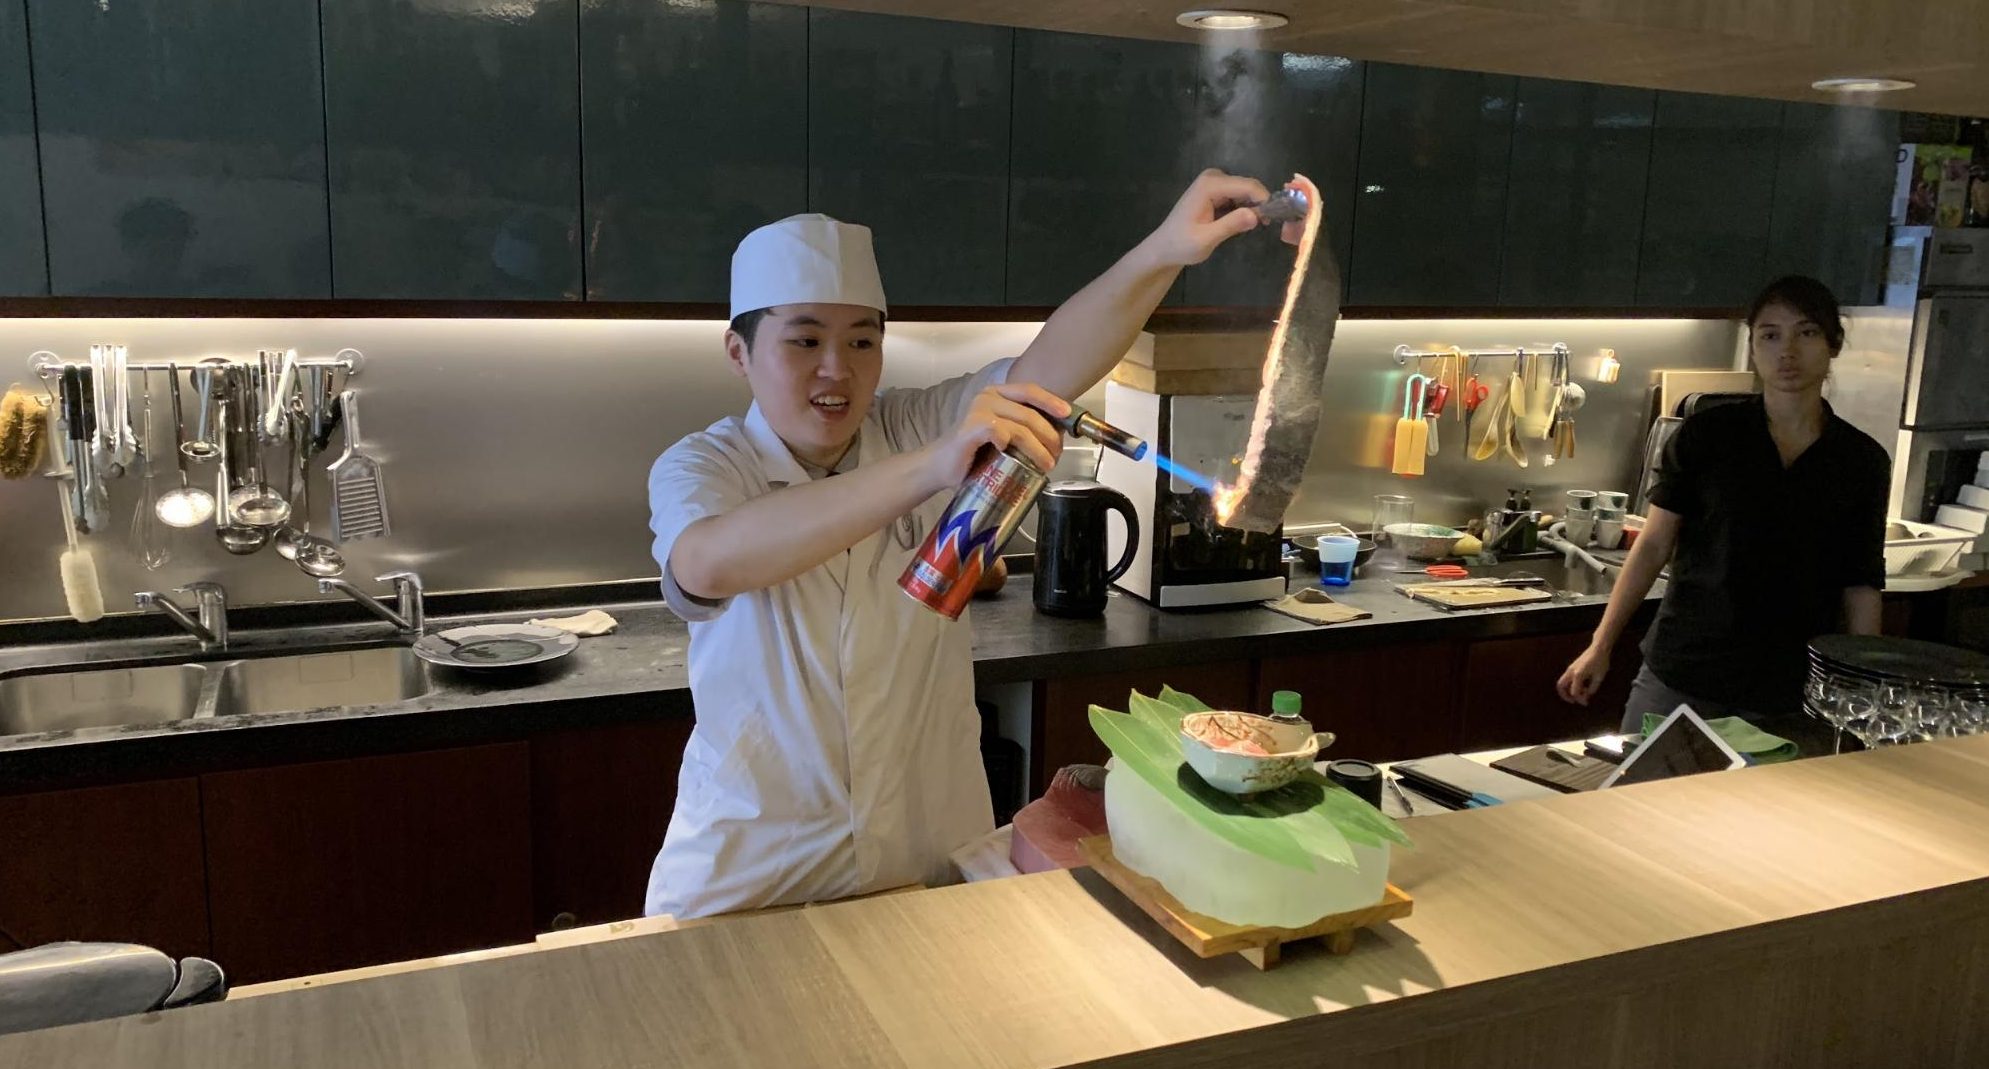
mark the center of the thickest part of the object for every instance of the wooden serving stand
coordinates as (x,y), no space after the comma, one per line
(1210,938)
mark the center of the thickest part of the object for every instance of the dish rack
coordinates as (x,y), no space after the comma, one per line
(1931,549)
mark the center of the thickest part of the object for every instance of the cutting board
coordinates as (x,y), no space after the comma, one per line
(1473,597)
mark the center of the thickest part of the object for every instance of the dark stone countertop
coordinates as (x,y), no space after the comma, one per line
(639,671)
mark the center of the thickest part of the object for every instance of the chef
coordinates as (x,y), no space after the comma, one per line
(837,746)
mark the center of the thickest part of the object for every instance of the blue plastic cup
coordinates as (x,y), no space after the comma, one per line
(1336,560)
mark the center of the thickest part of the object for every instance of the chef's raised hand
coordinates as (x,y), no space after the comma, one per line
(1001,416)
(1206,216)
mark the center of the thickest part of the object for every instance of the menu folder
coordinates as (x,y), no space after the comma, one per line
(1557,768)
(1461,783)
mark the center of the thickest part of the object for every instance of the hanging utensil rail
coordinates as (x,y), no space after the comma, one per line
(1405,353)
(47,365)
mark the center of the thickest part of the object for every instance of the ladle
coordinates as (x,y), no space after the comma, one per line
(255,502)
(315,556)
(235,537)
(186,506)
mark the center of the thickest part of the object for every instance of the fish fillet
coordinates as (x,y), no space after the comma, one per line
(1048,829)
(1287,414)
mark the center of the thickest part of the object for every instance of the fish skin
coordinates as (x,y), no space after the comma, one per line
(1288,403)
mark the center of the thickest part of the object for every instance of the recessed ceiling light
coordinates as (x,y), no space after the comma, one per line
(1862,85)
(1226,19)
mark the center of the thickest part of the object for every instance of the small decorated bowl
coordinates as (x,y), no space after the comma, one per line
(1424,541)
(1242,753)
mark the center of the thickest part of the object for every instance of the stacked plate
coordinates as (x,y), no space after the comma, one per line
(1906,660)
(1897,687)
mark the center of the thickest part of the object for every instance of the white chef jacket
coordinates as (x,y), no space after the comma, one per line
(837,746)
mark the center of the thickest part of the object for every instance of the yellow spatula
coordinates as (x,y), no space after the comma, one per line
(1412,434)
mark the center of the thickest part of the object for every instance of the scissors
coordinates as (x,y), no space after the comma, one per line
(1475,393)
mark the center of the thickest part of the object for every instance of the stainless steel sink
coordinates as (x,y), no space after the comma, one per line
(156,694)
(105,697)
(321,681)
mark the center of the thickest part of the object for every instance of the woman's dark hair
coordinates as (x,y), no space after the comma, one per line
(1811,299)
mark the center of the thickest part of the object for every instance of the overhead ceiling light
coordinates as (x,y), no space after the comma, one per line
(1226,19)
(1862,85)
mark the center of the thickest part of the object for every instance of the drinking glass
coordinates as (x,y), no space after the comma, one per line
(1894,714)
(1971,710)
(1937,716)
(1391,508)
(1336,560)
(1856,704)
(1836,706)
(1816,692)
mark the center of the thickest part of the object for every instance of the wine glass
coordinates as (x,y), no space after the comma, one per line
(1894,714)
(1939,717)
(1936,713)
(1971,709)
(1816,695)
(1834,708)
(1857,703)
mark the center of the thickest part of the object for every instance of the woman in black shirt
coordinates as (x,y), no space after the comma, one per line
(1772,516)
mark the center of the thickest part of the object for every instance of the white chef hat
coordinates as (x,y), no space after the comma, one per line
(806,259)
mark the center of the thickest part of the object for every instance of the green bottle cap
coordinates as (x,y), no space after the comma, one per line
(1285,703)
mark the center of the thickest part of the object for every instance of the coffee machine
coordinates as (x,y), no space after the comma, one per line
(1184,559)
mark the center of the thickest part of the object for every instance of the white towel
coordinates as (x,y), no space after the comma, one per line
(589,623)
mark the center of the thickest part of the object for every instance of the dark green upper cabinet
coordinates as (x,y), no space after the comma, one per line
(696,132)
(1833,197)
(1268,115)
(908,134)
(454,138)
(1575,204)
(182,147)
(1097,158)
(1705,240)
(23,264)
(1432,207)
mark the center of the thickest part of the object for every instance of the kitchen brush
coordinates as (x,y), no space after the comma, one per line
(80,587)
(23,432)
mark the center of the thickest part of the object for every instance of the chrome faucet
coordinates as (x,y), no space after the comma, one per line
(411,616)
(211,603)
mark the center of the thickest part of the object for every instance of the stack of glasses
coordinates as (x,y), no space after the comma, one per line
(1888,691)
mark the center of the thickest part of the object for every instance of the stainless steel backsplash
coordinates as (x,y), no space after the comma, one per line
(516,452)
(1350,460)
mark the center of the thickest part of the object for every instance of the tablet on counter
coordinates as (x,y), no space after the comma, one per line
(1680,746)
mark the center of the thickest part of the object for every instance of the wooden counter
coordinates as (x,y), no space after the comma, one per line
(1827,912)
